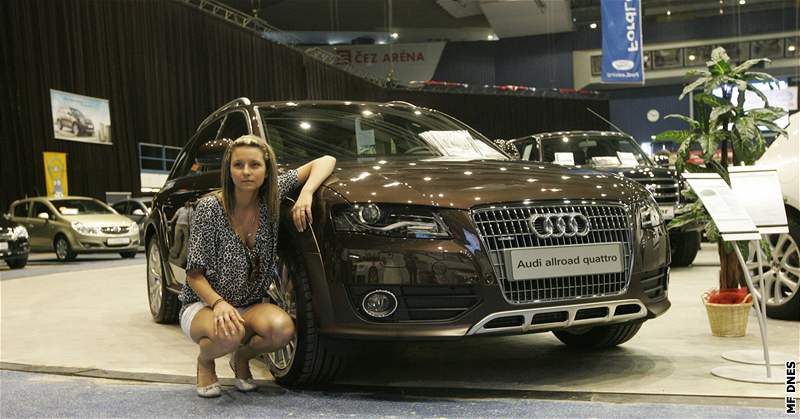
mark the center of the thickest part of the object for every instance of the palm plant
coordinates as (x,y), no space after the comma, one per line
(721,124)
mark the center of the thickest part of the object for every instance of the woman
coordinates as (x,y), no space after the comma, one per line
(232,246)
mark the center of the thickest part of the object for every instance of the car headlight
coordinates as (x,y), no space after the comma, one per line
(390,220)
(649,214)
(86,229)
(19,232)
(134,228)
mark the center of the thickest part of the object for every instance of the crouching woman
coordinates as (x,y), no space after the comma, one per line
(232,244)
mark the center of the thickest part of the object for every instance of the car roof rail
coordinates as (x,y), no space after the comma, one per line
(401,102)
(240,101)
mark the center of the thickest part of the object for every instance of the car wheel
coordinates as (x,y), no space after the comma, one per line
(309,358)
(163,304)
(76,129)
(781,272)
(599,336)
(17,263)
(684,248)
(128,255)
(63,249)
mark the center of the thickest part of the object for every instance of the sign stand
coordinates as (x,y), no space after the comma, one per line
(735,224)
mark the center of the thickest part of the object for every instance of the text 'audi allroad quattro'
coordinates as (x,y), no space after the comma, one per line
(425,231)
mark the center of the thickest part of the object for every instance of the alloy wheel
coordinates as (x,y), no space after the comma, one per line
(281,291)
(781,268)
(76,129)
(62,249)
(154,279)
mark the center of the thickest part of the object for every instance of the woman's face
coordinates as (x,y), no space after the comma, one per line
(248,168)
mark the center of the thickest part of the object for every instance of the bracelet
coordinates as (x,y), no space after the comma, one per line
(214,304)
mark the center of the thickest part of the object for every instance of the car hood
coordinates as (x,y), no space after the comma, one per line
(103,220)
(465,184)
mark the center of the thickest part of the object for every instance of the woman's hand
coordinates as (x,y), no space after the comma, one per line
(227,320)
(301,212)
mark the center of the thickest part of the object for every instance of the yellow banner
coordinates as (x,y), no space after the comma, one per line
(55,173)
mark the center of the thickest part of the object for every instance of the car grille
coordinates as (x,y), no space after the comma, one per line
(506,227)
(115,229)
(665,190)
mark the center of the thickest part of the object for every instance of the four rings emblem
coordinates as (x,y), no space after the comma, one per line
(562,224)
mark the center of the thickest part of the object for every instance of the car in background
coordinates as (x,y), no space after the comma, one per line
(14,244)
(136,209)
(75,120)
(74,225)
(618,153)
(425,230)
(782,266)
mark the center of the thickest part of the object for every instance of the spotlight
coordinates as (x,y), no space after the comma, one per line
(593,25)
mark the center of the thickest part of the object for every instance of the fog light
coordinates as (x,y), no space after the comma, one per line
(379,303)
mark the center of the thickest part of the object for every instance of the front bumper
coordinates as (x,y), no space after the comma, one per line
(10,249)
(107,243)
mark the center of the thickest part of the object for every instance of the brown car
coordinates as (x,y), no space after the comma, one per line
(427,231)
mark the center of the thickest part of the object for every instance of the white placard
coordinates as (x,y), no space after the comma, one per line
(564,158)
(667,212)
(728,214)
(605,161)
(457,143)
(3,246)
(627,159)
(759,191)
(118,240)
(560,261)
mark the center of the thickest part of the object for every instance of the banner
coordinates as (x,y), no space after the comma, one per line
(406,62)
(622,41)
(80,118)
(55,173)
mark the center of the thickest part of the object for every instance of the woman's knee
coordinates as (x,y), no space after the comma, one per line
(282,331)
(228,343)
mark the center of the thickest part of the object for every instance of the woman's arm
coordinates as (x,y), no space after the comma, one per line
(310,175)
(226,318)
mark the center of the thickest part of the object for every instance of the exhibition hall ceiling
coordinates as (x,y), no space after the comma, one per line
(421,20)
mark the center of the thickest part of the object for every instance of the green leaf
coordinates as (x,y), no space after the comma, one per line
(703,73)
(709,100)
(693,85)
(692,123)
(674,136)
(755,75)
(769,113)
(749,63)
(718,112)
(772,127)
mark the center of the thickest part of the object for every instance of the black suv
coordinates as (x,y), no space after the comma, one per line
(616,152)
(426,230)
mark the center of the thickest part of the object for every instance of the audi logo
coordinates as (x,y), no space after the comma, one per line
(562,224)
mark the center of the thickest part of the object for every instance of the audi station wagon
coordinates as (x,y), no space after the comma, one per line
(426,231)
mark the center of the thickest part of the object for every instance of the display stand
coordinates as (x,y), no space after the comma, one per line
(735,224)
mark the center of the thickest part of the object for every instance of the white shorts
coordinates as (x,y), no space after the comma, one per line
(192,310)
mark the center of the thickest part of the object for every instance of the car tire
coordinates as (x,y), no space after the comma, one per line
(128,255)
(784,267)
(164,304)
(309,358)
(17,263)
(599,336)
(63,249)
(684,248)
(76,130)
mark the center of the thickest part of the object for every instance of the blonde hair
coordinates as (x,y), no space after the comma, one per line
(268,192)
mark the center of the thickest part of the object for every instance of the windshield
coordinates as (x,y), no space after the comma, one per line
(80,207)
(350,132)
(594,151)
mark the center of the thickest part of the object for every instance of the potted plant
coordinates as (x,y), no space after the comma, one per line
(720,125)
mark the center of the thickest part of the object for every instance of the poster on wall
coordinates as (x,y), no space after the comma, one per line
(622,41)
(80,118)
(55,174)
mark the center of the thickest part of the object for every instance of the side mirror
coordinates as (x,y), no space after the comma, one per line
(43,215)
(138,211)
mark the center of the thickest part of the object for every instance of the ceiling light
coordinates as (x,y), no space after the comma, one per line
(742,2)
(692,57)
(669,12)
(305,125)
(593,25)
(791,48)
(394,35)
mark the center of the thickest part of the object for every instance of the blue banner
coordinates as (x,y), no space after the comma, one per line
(622,41)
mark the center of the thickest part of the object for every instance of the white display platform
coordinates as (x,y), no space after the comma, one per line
(754,357)
(747,373)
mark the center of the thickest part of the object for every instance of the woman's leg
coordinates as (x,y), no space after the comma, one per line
(212,346)
(268,328)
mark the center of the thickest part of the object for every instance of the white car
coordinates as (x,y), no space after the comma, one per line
(783,267)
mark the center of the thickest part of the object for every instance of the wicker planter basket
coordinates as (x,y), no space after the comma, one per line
(728,320)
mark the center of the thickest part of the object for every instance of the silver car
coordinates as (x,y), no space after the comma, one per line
(136,209)
(73,225)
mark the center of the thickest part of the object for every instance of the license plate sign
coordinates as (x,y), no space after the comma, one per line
(118,240)
(559,261)
(667,213)
(3,245)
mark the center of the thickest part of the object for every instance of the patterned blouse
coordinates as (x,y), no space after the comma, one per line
(216,248)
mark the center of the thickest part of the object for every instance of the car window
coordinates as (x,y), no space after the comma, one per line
(121,207)
(234,126)
(39,207)
(80,206)
(204,152)
(21,209)
(600,151)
